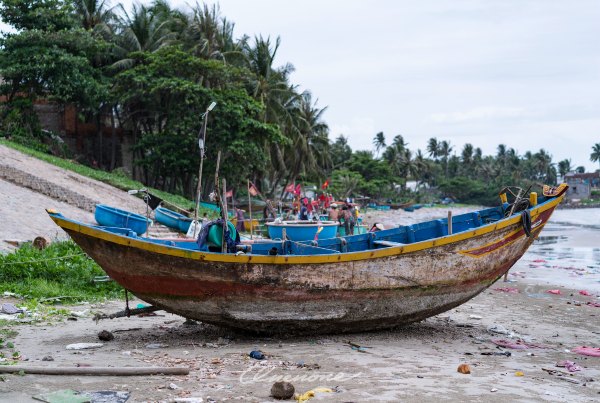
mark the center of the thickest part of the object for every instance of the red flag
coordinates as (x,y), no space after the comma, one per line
(290,188)
(298,190)
(325,185)
(252,189)
(229,194)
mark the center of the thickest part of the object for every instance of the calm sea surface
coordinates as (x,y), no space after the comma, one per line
(567,252)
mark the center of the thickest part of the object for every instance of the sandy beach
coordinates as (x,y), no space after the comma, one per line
(512,336)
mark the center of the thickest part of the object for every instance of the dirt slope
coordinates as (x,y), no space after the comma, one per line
(28,186)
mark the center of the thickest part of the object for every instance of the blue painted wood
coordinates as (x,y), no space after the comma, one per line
(401,235)
(114,217)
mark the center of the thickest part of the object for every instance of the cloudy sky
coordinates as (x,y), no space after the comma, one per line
(522,73)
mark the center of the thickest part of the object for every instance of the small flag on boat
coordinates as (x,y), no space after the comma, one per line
(318,232)
(298,190)
(252,189)
(229,194)
(153,201)
(290,188)
(325,185)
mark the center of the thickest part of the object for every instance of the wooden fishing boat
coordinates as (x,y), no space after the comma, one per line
(302,230)
(114,217)
(362,282)
(172,219)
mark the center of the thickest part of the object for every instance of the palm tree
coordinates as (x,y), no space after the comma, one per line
(94,15)
(544,167)
(467,159)
(309,153)
(399,142)
(564,167)
(144,30)
(444,151)
(595,155)
(433,148)
(379,142)
(270,85)
(210,36)
(422,167)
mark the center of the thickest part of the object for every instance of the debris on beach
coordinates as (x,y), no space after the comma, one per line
(464,369)
(156,346)
(561,375)
(503,353)
(510,290)
(516,345)
(590,351)
(10,309)
(257,355)
(83,346)
(282,390)
(585,293)
(73,396)
(312,393)
(569,366)
(40,242)
(105,335)
(497,329)
(555,292)
(357,347)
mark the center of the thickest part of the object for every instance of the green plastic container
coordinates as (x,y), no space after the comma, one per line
(215,234)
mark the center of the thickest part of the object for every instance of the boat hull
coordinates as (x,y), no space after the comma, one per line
(351,292)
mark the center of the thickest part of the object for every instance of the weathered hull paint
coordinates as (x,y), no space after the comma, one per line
(362,291)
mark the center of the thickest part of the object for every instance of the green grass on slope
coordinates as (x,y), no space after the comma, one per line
(60,270)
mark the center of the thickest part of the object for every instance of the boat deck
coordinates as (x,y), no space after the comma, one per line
(399,236)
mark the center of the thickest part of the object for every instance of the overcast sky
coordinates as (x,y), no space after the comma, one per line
(522,73)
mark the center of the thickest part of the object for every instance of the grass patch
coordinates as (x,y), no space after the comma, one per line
(60,270)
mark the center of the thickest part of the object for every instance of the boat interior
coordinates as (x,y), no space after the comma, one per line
(386,238)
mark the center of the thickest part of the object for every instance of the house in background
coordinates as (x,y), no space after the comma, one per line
(581,185)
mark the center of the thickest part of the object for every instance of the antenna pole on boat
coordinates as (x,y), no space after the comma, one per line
(250,210)
(449,222)
(201,142)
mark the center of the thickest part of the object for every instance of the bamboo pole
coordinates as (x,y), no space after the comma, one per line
(250,210)
(223,243)
(199,187)
(108,371)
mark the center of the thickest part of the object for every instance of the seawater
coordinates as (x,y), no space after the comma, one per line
(567,252)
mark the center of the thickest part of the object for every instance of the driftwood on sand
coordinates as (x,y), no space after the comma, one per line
(109,371)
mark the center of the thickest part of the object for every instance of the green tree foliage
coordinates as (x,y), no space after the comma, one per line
(163,98)
(153,69)
(49,58)
(43,15)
